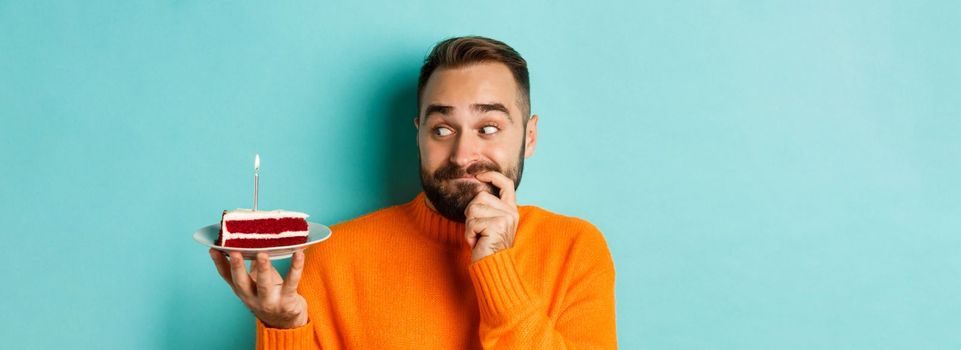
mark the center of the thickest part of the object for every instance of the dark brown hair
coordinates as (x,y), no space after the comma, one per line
(466,50)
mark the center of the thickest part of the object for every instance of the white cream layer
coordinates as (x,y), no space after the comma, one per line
(247,214)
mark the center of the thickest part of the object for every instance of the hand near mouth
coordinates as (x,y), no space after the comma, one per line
(491,221)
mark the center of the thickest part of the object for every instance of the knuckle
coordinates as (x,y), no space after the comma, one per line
(269,309)
(289,309)
(472,207)
(237,264)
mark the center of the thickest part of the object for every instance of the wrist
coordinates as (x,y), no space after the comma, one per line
(483,252)
(296,322)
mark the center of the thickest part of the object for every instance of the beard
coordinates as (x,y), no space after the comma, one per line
(451,197)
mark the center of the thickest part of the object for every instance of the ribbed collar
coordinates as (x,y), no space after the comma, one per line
(434,225)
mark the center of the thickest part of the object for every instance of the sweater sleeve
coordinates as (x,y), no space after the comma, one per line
(294,338)
(511,317)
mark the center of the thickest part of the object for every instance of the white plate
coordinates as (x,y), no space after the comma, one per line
(207,236)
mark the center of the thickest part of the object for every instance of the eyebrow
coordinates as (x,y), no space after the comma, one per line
(488,107)
(431,109)
(479,107)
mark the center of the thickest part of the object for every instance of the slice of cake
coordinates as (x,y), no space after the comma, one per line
(245,228)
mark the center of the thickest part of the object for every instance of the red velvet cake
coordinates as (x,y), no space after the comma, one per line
(245,228)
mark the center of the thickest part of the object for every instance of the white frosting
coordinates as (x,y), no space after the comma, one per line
(247,214)
(228,235)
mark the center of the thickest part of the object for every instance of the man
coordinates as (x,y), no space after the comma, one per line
(461,266)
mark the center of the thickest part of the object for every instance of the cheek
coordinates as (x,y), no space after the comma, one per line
(503,153)
(432,154)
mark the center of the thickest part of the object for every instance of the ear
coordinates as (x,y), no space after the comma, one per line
(530,140)
(417,130)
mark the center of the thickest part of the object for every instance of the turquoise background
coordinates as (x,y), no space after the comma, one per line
(769,175)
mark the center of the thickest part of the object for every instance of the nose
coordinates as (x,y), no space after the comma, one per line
(466,150)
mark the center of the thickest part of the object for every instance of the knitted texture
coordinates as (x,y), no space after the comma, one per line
(402,278)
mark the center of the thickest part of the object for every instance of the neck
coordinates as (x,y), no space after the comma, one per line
(435,225)
(430,205)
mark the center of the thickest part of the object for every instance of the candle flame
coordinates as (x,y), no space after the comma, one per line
(257,162)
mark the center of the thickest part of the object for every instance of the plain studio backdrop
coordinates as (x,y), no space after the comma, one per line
(768,175)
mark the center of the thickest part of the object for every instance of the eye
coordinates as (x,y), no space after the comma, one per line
(442,131)
(489,130)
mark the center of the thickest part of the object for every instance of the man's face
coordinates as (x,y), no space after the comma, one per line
(470,122)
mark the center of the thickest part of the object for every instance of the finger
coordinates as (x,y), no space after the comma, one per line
(505,184)
(253,271)
(479,225)
(470,234)
(471,239)
(475,229)
(267,279)
(485,205)
(490,227)
(223,266)
(293,275)
(238,273)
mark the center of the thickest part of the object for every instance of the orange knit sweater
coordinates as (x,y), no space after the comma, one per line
(402,278)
